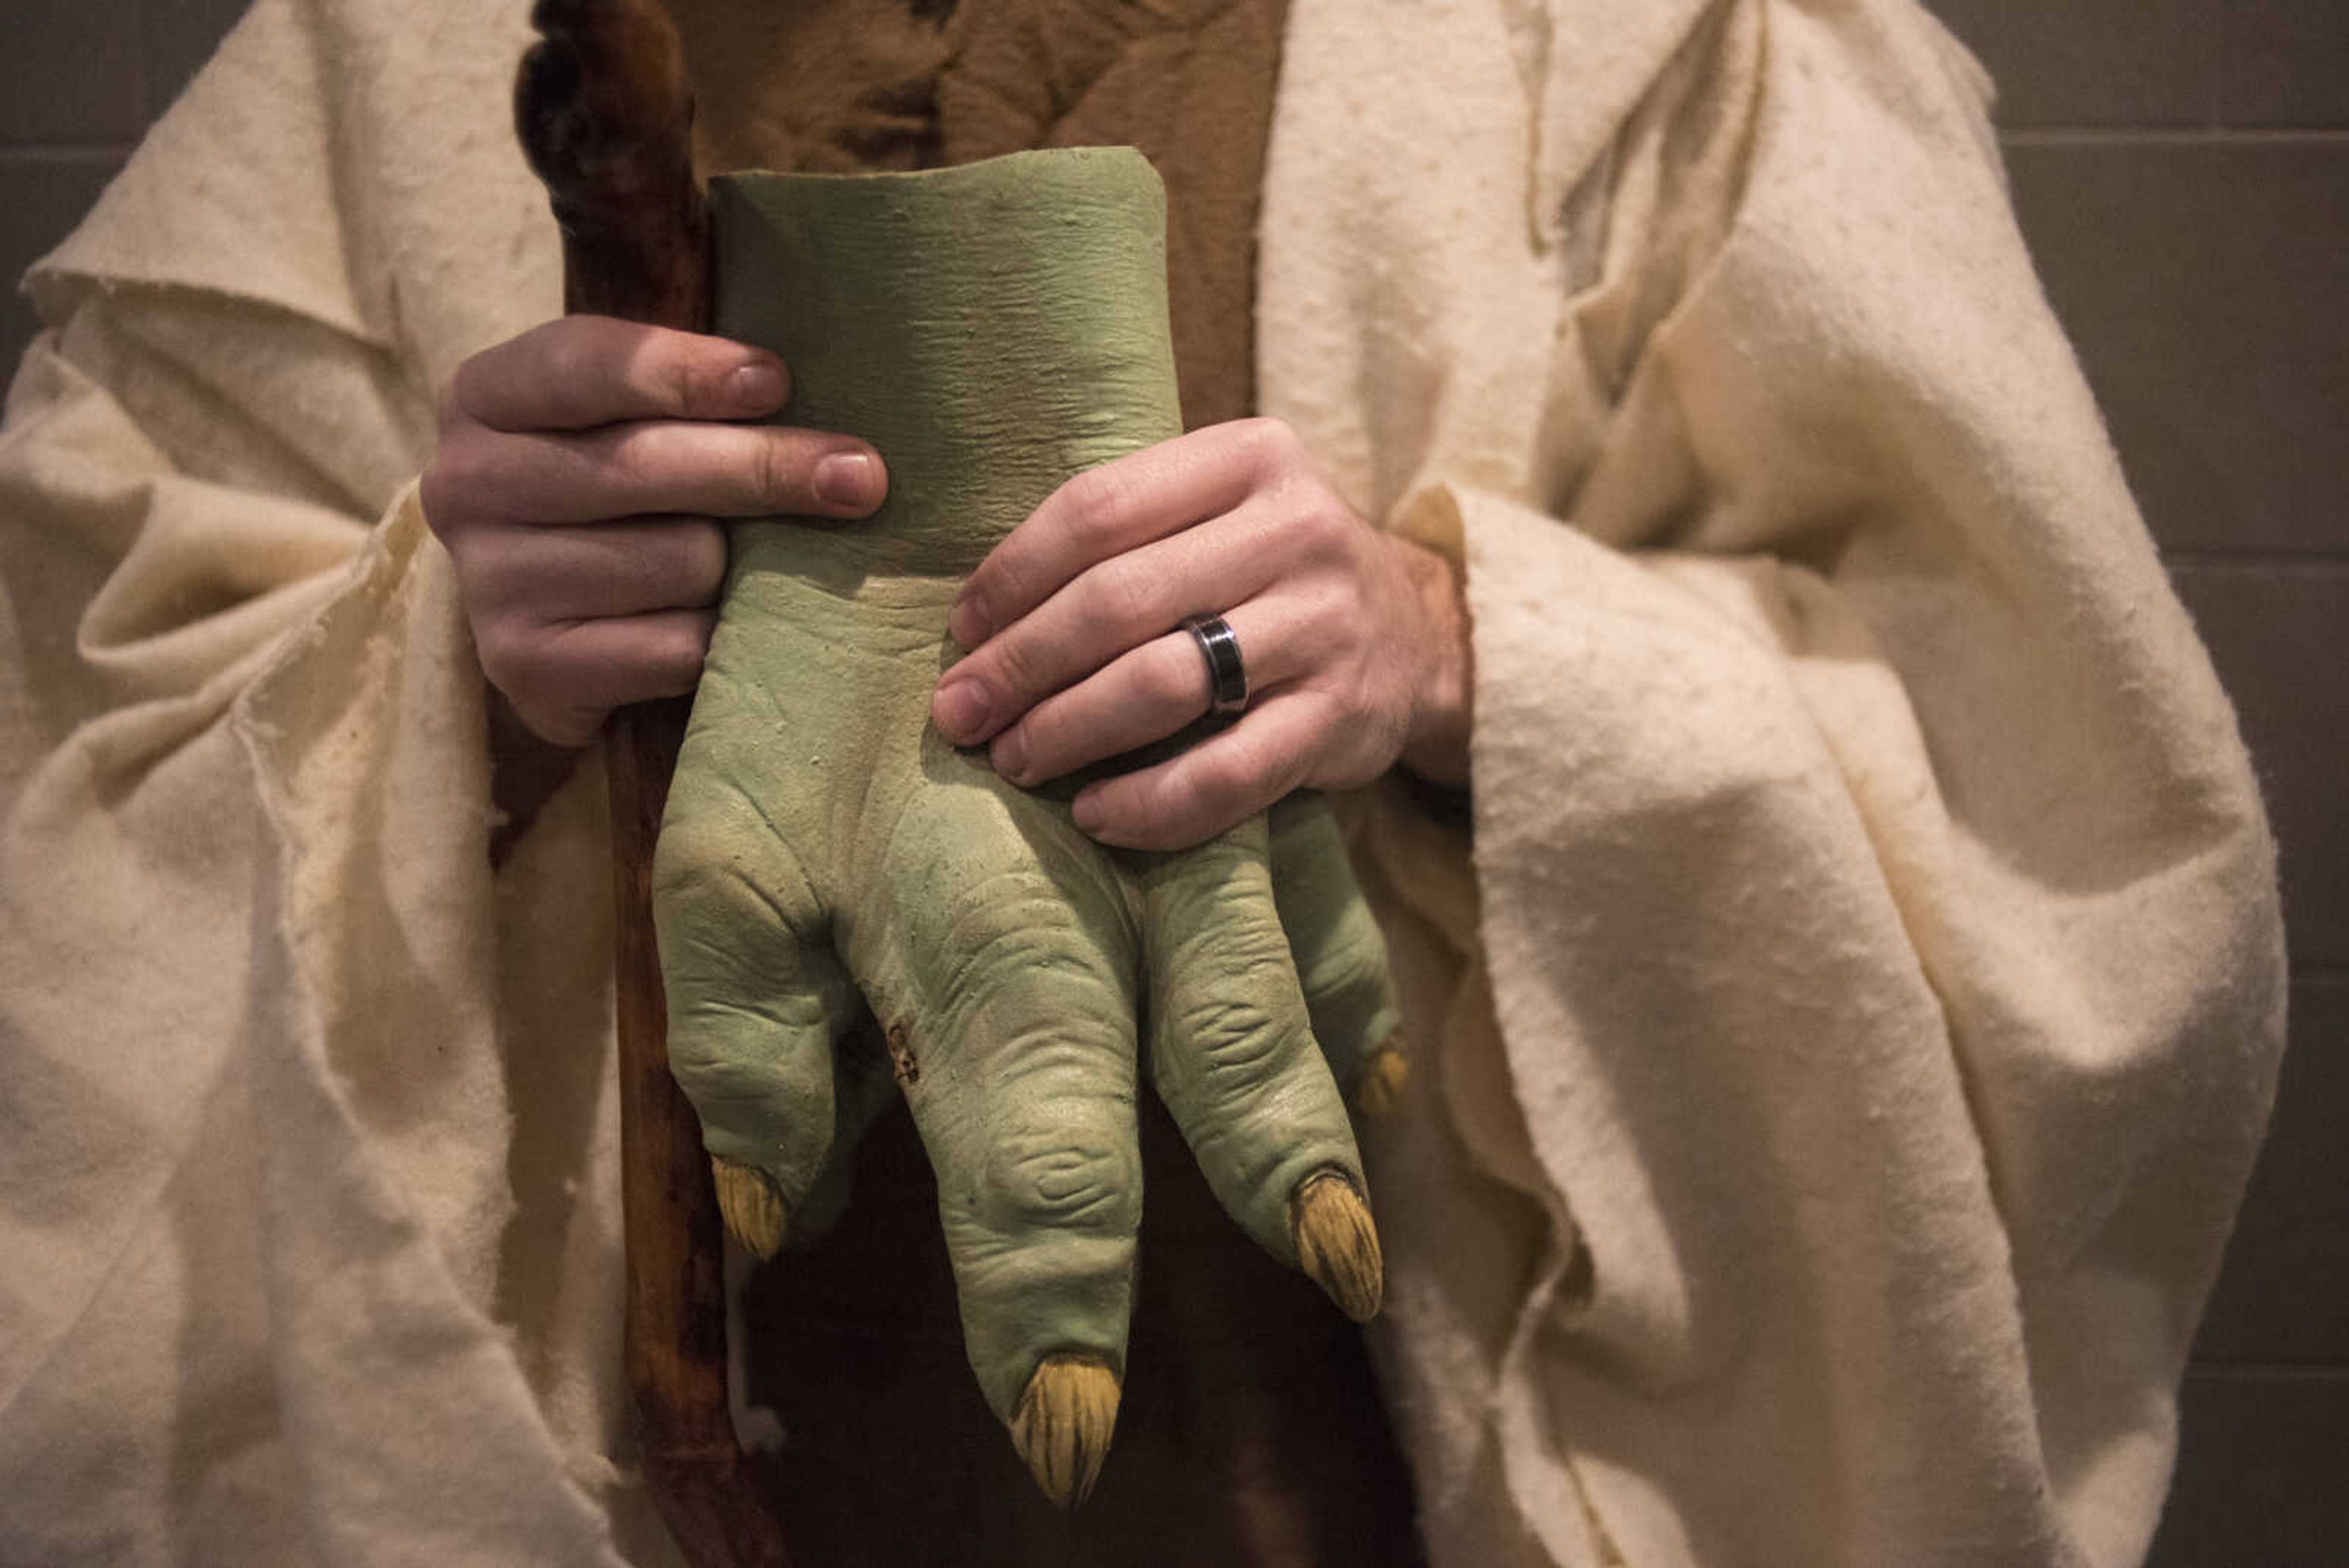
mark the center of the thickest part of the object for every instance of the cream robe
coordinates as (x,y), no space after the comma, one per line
(1884,975)
(1857,1012)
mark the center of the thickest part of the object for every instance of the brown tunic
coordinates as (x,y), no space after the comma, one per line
(846,85)
(1250,1431)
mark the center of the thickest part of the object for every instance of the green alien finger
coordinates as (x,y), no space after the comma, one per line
(1341,956)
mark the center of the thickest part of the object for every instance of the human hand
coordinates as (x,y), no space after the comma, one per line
(1354,641)
(580,467)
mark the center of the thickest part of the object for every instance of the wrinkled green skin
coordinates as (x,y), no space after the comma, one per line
(992,331)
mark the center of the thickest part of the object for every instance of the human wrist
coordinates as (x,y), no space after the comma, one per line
(1436,745)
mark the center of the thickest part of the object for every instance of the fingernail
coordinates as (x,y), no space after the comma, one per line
(1378,1089)
(1009,755)
(966,623)
(959,709)
(758,386)
(1336,1243)
(751,1205)
(844,478)
(1087,809)
(1062,1429)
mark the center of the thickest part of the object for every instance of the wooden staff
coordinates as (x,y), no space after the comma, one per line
(606,118)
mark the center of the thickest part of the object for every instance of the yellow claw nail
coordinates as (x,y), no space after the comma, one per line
(752,1206)
(1379,1089)
(1337,1245)
(1063,1424)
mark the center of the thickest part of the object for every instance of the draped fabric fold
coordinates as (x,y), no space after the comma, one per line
(1877,913)
(308,1136)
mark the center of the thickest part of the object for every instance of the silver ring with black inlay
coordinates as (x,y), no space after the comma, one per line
(1227,686)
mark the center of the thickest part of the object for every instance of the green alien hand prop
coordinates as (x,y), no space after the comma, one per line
(992,331)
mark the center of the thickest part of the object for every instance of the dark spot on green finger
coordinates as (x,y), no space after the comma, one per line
(902,1063)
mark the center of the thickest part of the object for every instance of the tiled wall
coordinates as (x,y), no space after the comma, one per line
(2182,169)
(80,82)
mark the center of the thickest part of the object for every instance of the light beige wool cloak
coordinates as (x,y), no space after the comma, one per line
(1842,1051)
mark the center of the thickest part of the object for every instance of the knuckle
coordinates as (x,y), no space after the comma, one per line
(1179,679)
(637,556)
(1166,683)
(1339,700)
(1268,444)
(1269,772)
(1058,735)
(1230,1024)
(686,376)
(779,474)
(723,1057)
(1043,735)
(1342,707)
(1234,1039)
(1225,776)
(680,381)
(1020,668)
(701,556)
(1097,503)
(577,726)
(1010,941)
(1119,599)
(1003,928)
(709,1065)
(1183,798)
(632,456)
(1261,436)
(1352,961)
(980,590)
(687,853)
(1077,1174)
(645,467)
(566,353)
(653,656)
(1381,708)
(563,726)
(433,494)
(513,655)
(455,489)
(705,913)
(489,580)
(998,589)
(1018,580)
(1331,621)
(452,398)
(676,656)
(1324,530)
(723,887)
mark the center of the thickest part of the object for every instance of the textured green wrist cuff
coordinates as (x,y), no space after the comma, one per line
(991,329)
